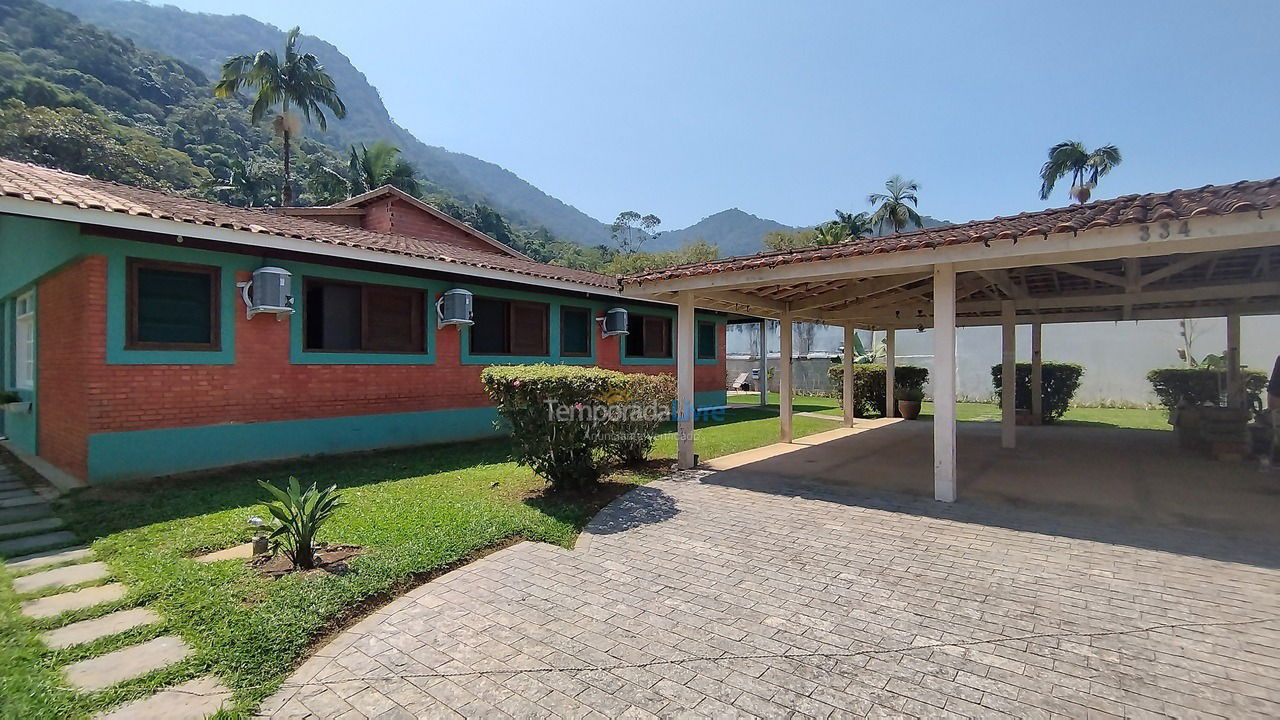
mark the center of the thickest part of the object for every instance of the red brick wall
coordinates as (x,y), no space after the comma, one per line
(80,394)
(70,307)
(400,217)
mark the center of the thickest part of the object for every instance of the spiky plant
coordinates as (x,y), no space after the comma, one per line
(372,166)
(1084,166)
(298,81)
(300,514)
(896,206)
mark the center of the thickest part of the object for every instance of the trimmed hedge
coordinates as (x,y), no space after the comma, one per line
(868,384)
(1060,383)
(1198,386)
(630,437)
(566,422)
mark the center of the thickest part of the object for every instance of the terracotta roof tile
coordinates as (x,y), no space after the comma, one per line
(35,183)
(1249,196)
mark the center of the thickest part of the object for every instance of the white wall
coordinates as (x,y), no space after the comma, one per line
(1116,355)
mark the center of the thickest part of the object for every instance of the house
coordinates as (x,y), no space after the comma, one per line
(124,327)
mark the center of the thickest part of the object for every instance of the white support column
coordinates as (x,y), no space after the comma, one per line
(1235,378)
(1008,375)
(846,366)
(764,362)
(944,382)
(890,372)
(785,385)
(1037,374)
(684,379)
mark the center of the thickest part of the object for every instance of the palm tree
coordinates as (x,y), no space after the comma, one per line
(300,81)
(377,165)
(897,206)
(1085,168)
(830,233)
(856,225)
(248,184)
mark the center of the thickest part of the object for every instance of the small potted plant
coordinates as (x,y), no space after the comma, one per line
(909,399)
(13,402)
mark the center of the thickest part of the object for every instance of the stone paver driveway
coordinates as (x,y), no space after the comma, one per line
(732,595)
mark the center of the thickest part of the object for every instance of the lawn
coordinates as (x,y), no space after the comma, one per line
(416,512)
(1135,418)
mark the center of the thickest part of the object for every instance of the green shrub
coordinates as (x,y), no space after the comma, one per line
(567,421)
(908,394)
(645,401)
(868,384)
(300,515)
(1060,381)
(1198,386)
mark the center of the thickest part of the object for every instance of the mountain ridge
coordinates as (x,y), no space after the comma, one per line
(204,40)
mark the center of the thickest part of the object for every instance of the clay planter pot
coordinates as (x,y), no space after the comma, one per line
(909,409)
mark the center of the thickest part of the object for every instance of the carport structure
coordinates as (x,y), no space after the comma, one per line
(1207,252)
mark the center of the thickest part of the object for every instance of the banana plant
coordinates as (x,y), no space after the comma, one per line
(300,514)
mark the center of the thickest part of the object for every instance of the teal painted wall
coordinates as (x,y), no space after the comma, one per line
(31,249)
(147,453)
(711,398)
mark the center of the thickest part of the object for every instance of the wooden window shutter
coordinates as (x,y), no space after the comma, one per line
(528,328)
(657,337)
(392,319)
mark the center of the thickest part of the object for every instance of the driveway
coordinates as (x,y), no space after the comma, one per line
(740,593)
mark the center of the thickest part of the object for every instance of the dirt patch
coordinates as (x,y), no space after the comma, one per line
(330,559)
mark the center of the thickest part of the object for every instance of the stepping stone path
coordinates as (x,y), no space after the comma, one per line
(104,671)
(26,563)
(53,605)
(60,577)
(192,700)
(46,557)
(90,630)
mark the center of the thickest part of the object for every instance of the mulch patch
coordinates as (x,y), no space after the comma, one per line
(331,559)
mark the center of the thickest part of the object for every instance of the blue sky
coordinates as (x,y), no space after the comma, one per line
(789,110)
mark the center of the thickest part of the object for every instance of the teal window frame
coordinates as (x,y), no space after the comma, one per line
(715,342)
(309,280)
(670,317)
(591,321)
(134,311)
(119,351)
(300,355)
(554,338)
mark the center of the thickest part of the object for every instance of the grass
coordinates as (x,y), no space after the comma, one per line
(416,512)
(1131,418)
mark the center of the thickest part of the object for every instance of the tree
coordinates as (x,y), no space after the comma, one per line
(248,184)
(630,230)
(790,239)
(830,233)
(300,81)
(696,251)
(1084,166)
(856,226)
(896,206)
(377,165)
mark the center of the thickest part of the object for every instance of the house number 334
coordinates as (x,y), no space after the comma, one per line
(1164,230)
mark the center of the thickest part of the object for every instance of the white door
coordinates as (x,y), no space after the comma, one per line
(24,342)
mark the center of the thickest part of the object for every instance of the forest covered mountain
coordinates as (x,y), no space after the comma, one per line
(123,90)
(204,40)
(734,231)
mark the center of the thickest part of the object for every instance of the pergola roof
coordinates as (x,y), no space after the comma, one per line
(1182,260)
